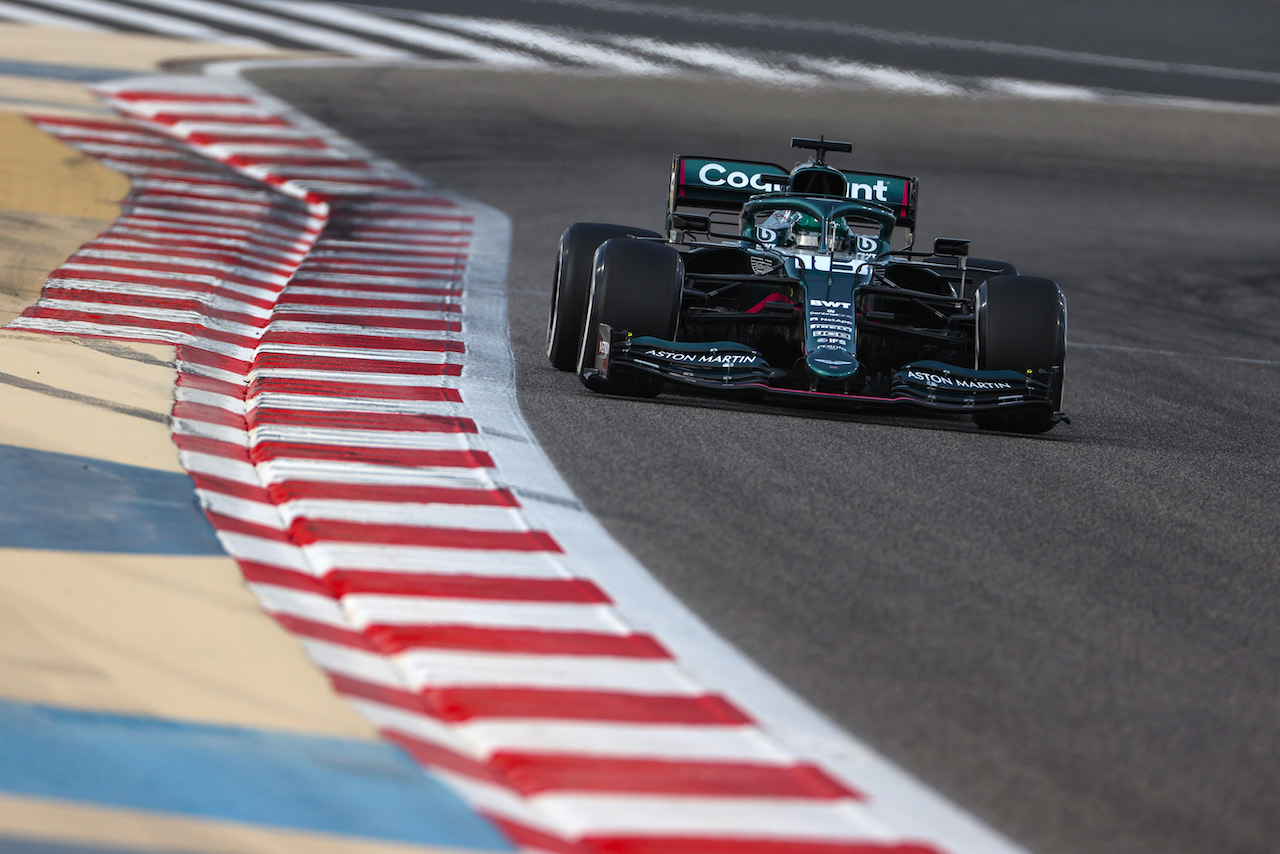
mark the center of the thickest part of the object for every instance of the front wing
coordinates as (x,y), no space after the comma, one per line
(731,368)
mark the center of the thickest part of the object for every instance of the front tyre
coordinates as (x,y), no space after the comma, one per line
(636,287)
(1022,326)
(572,283)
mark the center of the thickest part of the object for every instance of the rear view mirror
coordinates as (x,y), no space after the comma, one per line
(691,222)
(951,247)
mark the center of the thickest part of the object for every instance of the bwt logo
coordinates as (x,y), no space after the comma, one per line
(715,175)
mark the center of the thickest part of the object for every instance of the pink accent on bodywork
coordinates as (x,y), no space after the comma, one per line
(755,309)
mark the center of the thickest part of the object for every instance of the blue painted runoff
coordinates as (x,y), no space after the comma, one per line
(71,503)
(283,780)
(29,845)
(54,71)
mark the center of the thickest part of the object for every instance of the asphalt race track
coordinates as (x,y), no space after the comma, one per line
(1074,636)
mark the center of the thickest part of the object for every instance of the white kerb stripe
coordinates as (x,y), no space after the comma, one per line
(449,668)
(654,741)
(296,603)
(481,518)
(220,467)
(582,814)
(326,557)
(486,736)
(355,663)
(371,610)
(499,801)
(271,552)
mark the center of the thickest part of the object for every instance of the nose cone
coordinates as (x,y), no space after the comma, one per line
(832,363)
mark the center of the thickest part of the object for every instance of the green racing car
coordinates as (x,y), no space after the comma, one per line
(785,286)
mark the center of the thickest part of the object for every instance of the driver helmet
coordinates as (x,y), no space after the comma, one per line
(806,232)
(796,229)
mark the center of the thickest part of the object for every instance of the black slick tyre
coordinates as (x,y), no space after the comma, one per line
(572,283)
(636,286)
(1022,326)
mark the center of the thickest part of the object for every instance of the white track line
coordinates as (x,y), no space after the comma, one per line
(29,15)
(719,59)
(294,30)
(749,20)
(154,22)
(350,19)
(573,47)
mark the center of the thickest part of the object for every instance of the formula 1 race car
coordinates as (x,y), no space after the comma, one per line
(786,288)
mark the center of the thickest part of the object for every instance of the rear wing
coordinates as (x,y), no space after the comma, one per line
(704,182)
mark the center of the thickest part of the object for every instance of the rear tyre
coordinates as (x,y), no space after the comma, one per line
(1022,325)
(571,286)
(636,287)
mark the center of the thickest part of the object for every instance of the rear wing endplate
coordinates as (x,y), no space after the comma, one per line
(705,182)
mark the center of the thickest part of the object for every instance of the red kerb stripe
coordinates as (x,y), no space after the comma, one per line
(755,845)
(188,97)
(391,640)
(326,301)
(355,582)
(212,385)
(217,119)
(465,704)
(326,632)
(364,342)
(437,756)
(209,414)
(309,531)
(211,138)
(389,421)
(461,704)
(213,447)
(410,457)
(308,362)
(232,525)
(538,773)
(268,384)
(233,488)
(373,321)
(293,490)
(340,160)
(350,582)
